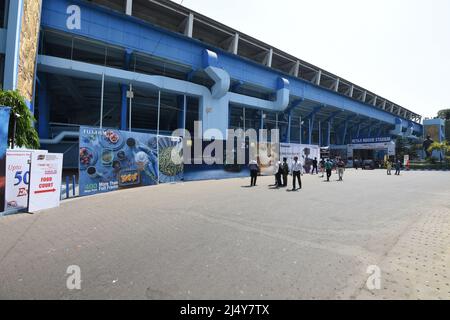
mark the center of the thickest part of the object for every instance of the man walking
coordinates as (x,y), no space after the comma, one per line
(278,174)
(398,166)
(285,172)
(296,173)
(315,163)
(328,168)
(341,169)
(253,166)
(389,167)
(322,167)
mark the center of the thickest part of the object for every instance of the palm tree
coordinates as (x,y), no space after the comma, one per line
(21,124)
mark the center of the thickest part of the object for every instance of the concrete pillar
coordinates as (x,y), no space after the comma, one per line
(129,7)
(189,28)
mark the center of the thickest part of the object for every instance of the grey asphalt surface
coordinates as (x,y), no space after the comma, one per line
(221,240)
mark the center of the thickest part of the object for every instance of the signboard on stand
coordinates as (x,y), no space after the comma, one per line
(45,181)
(4,125)
(17,179)
(18,164)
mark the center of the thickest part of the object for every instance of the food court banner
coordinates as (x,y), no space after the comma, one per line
(306,154)
(4,125)
(45,180)
(112,159)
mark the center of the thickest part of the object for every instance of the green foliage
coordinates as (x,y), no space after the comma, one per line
(444,147)
(26,135)
(444,114)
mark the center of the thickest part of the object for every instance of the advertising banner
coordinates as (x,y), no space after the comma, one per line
(306,154)
(268,156)
(221,169)
(17,179)
(45,180)
(4,125)
(112,159)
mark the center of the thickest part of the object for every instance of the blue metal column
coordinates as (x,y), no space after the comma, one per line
(329,132)
(344,133)
(123,107)
(12,44)
(310,128)
(124,89)
(289,128)
(182,113)
(44,109)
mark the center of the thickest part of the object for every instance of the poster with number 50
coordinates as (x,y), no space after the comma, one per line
(17,179)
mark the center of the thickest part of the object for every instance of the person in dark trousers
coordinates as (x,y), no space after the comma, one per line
(328,168)
(296,174)
(285,172)
(398,166)
(254,169)
(315,163)
(341,169)
(278,174)
(322,167)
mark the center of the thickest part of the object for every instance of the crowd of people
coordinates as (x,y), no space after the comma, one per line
(283,169)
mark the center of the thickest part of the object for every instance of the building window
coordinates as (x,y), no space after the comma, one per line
(2,70)
(4,4)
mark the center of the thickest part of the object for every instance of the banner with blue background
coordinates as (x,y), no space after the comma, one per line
(4,125)
(112,159)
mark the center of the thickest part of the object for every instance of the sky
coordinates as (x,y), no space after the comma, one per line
(398,49)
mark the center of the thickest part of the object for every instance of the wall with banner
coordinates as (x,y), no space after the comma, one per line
(113,159)
(4,125)
(305,152)
(221,169)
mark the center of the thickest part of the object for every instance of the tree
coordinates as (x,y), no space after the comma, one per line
(443,147)
(444,114)
(25,133)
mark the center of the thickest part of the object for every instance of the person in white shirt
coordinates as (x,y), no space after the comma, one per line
(296,169)
(278,173)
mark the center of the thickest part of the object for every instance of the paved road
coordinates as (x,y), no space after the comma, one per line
(220,240)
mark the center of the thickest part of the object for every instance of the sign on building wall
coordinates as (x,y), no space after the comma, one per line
(433,131)
(306,154)
(45,181)
(4,125)
(371,140)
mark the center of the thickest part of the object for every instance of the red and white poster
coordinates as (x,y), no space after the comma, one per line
(45,181)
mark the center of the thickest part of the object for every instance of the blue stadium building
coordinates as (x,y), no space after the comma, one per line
(155,66)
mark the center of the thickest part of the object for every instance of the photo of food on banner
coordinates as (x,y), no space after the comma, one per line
(169,170)
(112,159)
